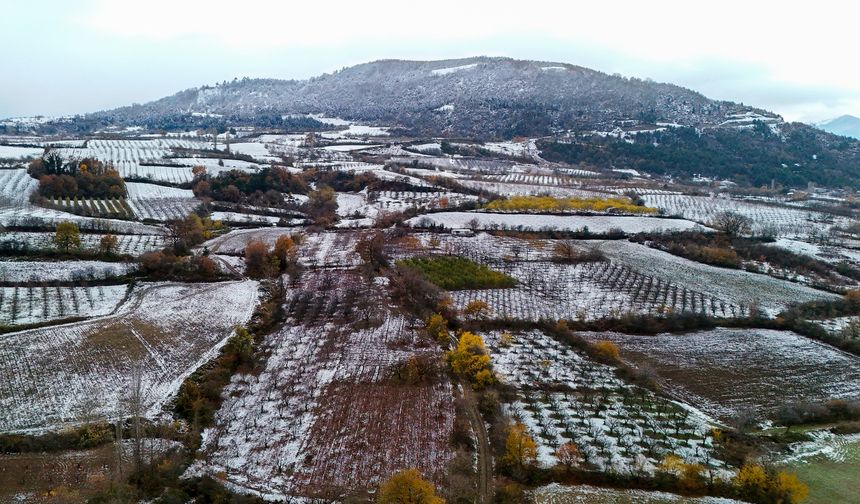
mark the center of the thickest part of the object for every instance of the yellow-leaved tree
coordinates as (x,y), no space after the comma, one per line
(788,487)
(470,359)
(476,309)
(437,328)
(408,487)
(68,236)
(751,481)
(520,448)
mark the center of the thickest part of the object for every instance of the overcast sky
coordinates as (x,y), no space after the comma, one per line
(75,56)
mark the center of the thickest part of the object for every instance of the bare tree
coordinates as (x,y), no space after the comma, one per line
(732,223)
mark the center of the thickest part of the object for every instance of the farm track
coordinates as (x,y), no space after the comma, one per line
(485,452)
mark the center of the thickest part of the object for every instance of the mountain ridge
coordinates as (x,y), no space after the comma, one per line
(482,96)
(844,125)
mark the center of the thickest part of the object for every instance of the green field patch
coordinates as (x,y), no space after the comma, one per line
(459,273)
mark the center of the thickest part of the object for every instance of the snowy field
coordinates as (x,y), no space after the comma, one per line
(134,245)
(14,152)
(373,204)
(235,241)
(741,287)
(16,209)
(127,155)
(591,291)
(780,221)
(245,218)
(157,202)
(509,189)
(60,375)
(533,222)
(585,494)
(42,303)
(827,253)
(564,396)
(537,179)
(323,416)
(16,185)
(725,371)
(328,249)
(61,271)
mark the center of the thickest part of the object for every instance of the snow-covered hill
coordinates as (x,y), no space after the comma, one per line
(481,96)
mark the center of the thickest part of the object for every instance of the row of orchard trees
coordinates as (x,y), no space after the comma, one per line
(753,482)
(68,238)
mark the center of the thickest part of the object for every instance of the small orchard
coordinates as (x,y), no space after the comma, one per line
(565,397)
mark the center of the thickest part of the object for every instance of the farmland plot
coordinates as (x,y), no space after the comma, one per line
(371,205)
(398,200)
(534,222)
(127,155)
(56,376)
(485,166)
(781,221)
(534,179)
(41,303)
(564,396)
(380,172)
(14,152)
(134,245)
(245,218)
(742,287)
(330,250)
(484,248)
(16,210)
(78,474)
(116,208)
(159,173)
(725,371)
(585,494)
(507,189)
(590,291)
(151,201)
(832,254)
(16,185)
(325,416)
(326,249)
(234,242)
(33,216)
(61,271)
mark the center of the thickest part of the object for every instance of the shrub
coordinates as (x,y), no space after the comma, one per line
(258,264)
(608,350)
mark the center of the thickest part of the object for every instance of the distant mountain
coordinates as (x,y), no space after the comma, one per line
(478,97)
(585,116)
(846,125)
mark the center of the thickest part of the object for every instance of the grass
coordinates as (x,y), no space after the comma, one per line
(459,273)
(831,479)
